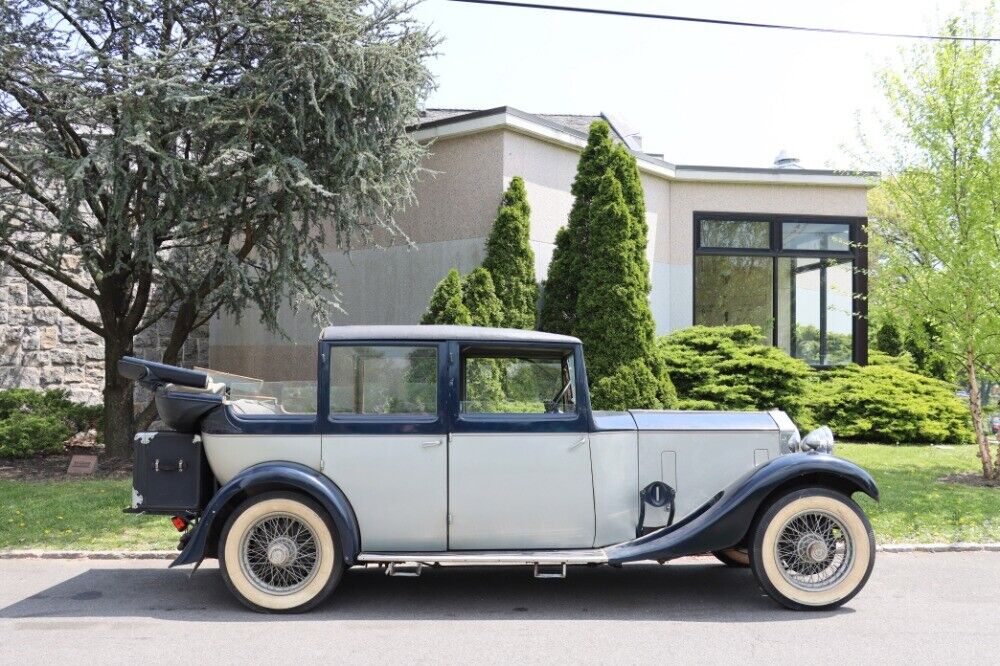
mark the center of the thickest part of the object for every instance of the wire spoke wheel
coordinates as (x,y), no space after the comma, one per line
(279,554)
(814,550)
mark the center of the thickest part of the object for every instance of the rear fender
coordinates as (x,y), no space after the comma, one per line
(263,478)
(726,519)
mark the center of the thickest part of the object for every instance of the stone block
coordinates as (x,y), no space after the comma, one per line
(35,359)
(19,316)
(30,340)
(17,292)
(51,375)
(69,331)
(48,337)
(94,352)
(47,315)
(63,357)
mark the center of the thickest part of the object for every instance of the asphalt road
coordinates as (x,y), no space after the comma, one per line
(918,608)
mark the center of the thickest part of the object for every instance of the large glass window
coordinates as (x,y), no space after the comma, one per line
(382,380)
(498,381)
(745,234)
(815,309)
(733,290)
(816,236)
(792,278)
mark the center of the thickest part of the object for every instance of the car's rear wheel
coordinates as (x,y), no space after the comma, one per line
(813,549)
(733,557)
(280,553)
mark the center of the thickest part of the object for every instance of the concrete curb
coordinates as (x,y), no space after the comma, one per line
(171,554)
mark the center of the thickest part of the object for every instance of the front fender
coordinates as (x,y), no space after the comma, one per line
(275,476)
(725,520)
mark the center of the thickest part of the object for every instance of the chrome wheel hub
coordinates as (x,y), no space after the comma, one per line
(814,551)
(279,554)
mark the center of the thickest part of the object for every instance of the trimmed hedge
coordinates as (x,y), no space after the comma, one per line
(727,367)
(886,403)
(33,422)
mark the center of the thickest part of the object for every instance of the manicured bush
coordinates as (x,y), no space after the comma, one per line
(446,306)
(726,367)
(34,422)
(631,385)
(511,261)
(885,403)
(481,299)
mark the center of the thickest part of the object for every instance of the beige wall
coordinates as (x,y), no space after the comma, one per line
(451,219)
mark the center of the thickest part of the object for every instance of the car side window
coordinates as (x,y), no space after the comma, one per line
(510,381)
(383,380)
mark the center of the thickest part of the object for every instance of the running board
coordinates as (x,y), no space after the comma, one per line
(491,558)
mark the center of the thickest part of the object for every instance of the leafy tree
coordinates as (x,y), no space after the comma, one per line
(510,260)
(941,180)
(924,345)
(193,156)
(480,298)
(887,339)
(446,306)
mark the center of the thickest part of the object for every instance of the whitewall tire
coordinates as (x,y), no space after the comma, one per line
(812,549)
(280,553)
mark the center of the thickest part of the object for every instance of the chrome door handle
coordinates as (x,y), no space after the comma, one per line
(427,445)
(577,443)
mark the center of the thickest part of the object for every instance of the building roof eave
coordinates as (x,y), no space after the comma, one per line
(510,118)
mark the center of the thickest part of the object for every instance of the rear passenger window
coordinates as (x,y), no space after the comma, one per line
(383,380)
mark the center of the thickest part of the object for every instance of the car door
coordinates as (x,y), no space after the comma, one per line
(519,477)
(384,441)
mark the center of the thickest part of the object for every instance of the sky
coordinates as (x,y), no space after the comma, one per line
(699,94)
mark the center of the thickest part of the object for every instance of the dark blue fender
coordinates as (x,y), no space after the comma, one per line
(275,476)
(723,522)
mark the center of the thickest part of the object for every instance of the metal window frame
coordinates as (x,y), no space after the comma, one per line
(858,252)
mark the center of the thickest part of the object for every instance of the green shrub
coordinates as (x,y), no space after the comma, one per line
(726,367)
(40,421)
(631,385)
(446,306)
(885,403)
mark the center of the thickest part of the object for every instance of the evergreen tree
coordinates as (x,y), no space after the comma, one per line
(568,266)
(887,339)
(446,306)
(481,299)
(616,324)
(510,260)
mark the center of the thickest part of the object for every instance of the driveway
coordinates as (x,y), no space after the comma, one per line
(917,608)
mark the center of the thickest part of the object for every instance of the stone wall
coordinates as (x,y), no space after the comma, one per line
(41,348)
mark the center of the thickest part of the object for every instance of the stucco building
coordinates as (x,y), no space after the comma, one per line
(776,247)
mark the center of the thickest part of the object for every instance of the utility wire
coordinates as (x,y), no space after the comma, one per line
(739,24)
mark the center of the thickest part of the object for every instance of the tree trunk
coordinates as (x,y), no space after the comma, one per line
(118,401)
(975,406)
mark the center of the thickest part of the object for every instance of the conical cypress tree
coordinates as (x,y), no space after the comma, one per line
(481,300)
(510,260)
(568,266)
(616,323)
(446,306)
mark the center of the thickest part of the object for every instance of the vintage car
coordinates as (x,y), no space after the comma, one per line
(450,445)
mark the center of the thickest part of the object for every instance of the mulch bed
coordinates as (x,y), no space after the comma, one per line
(970,479)
(52,467)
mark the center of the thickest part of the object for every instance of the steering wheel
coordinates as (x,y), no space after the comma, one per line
(553,408)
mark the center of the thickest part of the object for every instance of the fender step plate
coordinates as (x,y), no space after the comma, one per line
(491,558)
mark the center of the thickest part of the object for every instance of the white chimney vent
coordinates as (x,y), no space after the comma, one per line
(786,161)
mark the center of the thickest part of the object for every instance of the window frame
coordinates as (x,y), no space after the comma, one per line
(340,423)
(577,421)
(858,253)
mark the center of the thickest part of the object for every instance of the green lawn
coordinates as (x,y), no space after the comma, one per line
(915,507)
(84,514)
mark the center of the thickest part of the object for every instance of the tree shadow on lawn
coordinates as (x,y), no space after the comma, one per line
(703,592)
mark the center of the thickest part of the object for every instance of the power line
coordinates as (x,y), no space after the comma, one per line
(710,21)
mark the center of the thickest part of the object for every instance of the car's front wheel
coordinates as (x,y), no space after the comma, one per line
(813,549)
(279,553)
